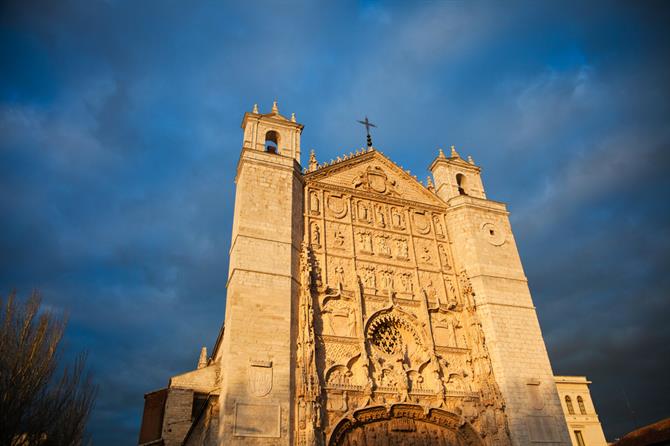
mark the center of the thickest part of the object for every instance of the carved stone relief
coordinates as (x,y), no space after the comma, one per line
(337,235)
(374,179)
(397,218)
(315,237)
(421,222)
(363,211)
(260,377)
(439,227)
(444,258)
(379,341)
(314,203)
(337,205)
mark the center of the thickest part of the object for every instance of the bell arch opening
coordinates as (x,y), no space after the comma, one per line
(272,142)
(403,424)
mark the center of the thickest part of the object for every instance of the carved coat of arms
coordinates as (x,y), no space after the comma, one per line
(375,179)
(260,377)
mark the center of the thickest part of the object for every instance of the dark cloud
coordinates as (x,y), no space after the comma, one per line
(119,136)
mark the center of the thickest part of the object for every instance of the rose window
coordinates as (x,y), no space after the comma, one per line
(388,338)
(392,335)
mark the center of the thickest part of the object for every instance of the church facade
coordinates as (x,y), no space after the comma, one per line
(365,308)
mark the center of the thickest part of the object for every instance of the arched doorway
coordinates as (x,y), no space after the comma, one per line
(403,424)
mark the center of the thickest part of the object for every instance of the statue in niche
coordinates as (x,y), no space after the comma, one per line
(369,279)
(425,255)
(365,239)
(430,290)
(316,235)
(383,247)
(387,280)
(339,274)
(444,257)
(410,283)
(338,238)
(439,230)
(403,249)
(398,219)
(314,203)
(363,212)
(403,282)
(380,217)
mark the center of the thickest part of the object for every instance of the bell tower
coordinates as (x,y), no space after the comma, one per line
(263,282)
(272,132)
(484,250)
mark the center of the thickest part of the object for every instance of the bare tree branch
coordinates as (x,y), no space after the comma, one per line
(38,407)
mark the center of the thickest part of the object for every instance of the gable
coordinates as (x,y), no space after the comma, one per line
(372,172)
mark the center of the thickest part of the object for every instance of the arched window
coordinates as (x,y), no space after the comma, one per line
(272,141)
(568,402)
(460,181)
(582,408)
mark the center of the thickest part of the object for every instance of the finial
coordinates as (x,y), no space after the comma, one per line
(470,160)
(275,109)
(454,153)
(255,109)
(429,184)
(441,153)
(292,117)
(202,361)
(313,164)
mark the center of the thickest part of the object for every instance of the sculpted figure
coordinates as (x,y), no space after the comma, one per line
(403,250)
(339,271)
(380,217)
(439,230)
(314,203)
(444,257)
(316,235)
(338,238)
(383,246)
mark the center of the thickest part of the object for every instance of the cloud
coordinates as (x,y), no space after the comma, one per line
(119,137)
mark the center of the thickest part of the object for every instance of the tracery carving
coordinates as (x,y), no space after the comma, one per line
(308,388)
(430,351)
(403,424)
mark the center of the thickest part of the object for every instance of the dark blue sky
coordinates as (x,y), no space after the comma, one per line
(119,137)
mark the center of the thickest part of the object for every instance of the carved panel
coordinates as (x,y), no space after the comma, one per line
(337,205)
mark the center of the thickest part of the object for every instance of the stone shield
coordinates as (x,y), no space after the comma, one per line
(260,377)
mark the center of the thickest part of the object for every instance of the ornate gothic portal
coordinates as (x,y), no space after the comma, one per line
(390,349)
(403,424)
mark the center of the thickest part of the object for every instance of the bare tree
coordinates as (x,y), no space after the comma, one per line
(39,405)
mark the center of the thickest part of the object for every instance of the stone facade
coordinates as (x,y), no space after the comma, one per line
(580,413)
(366,308)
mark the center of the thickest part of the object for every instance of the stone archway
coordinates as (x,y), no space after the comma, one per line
(403,424)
